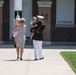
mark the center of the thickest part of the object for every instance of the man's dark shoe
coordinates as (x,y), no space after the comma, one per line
(41,58)
(35,59)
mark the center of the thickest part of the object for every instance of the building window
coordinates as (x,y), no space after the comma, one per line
(65,13)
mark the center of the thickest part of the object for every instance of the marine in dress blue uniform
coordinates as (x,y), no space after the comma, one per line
(38,39)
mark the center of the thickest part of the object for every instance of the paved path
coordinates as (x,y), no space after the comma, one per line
(52,64)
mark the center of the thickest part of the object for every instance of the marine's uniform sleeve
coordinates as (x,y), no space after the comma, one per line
(42,28)
(38,32)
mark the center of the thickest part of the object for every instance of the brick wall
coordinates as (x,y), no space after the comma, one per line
(0,23)
(53,19)
(61,34)
(57,34)
(46,12)
(34,8)
(6,20)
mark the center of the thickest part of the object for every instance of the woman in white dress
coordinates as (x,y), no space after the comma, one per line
(21,38)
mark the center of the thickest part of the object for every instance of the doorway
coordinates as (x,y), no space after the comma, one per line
(26,13)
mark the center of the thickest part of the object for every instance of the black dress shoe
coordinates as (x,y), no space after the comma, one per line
(35,59)
(41,58)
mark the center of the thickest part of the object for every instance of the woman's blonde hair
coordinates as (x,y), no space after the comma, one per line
(22,20)
(33,19)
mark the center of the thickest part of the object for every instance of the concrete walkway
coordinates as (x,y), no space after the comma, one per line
(52,64)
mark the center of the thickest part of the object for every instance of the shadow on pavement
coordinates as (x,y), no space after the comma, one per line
(11,60)
(21,60)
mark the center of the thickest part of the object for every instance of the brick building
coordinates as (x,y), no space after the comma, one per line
(60,16)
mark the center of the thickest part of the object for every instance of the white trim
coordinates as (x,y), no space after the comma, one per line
(63,43)
(65,25)
(44,4)
(1,3)
(65,14)
(46,43)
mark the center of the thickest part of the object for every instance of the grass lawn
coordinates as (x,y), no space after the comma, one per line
(70,58)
